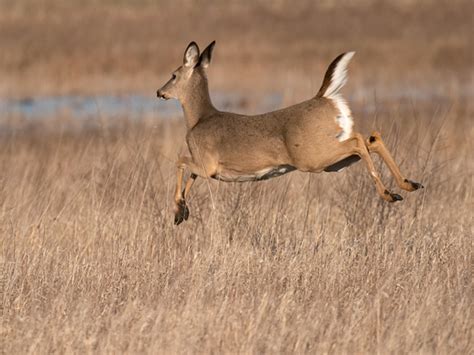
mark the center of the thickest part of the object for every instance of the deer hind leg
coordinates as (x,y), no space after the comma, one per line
(356,145)
(376,145)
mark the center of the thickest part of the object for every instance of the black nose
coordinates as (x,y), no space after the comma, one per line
(158,93)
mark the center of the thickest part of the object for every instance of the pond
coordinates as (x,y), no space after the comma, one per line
(133,106)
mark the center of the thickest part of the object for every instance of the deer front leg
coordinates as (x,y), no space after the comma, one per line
(181,210)
(376,145)
(189,184)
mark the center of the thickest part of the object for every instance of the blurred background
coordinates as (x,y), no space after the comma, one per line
(80,55)
(90,261)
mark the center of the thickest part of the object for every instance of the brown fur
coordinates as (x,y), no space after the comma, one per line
(234,147)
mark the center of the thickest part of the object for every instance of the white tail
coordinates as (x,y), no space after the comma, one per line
(336,76)
(334,80)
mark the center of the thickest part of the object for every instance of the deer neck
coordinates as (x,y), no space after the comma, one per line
(197,104)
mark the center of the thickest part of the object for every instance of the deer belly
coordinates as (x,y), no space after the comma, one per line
(264,174)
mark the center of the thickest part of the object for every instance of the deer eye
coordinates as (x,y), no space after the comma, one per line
(173,76)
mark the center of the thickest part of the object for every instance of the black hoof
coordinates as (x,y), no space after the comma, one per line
(393,197)
(396,197)
(415,185)
(182,214)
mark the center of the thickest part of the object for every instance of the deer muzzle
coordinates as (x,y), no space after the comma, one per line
(161,95)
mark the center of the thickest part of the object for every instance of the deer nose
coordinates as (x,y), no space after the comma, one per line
(162,95)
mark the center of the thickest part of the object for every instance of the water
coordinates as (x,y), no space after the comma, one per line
(136,106)
(133,105)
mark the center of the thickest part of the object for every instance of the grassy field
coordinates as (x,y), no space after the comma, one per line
(303,263)
(90,260)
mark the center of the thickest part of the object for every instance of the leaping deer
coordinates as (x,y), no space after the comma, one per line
(313,136)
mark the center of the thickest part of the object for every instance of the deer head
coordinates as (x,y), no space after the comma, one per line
(190,77)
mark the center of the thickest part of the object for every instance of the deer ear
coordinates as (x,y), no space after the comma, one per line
(191,55)
(206,55)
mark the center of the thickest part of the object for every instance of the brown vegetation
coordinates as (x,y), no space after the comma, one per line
(89,258)
(302,263)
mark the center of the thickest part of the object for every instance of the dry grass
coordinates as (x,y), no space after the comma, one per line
(299,264)
(89,258)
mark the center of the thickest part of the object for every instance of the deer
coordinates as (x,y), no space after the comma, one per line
(313,136)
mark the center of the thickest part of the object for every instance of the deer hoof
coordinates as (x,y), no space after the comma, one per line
(391,197)
(182,212)
(396,197)
(412,185)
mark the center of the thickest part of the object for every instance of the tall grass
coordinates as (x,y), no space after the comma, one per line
(91,261)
